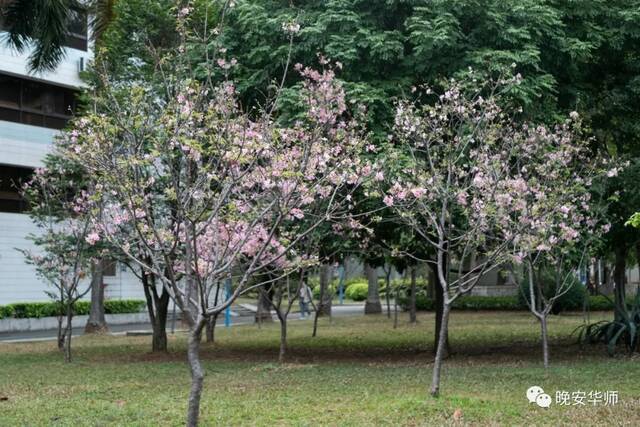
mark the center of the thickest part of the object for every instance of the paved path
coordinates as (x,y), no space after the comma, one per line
(9,337)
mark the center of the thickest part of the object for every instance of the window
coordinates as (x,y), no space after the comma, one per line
(77,30)
(109,267)
(34,103)
(11,180)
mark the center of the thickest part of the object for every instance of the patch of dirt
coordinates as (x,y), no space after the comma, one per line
(516,352)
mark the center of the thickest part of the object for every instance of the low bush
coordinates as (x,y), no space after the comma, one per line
(331,289)
(600,302)
(357,291)
(473,302)
(6,311)
(123,306)
(572,299)
(25,310)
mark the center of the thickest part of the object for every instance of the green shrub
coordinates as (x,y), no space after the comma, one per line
(357,291)
(600,302)
(331,289)
(6,311)
(24,310)
(81,308)
(352,281)
(473,302)
(573,299)
(123,306)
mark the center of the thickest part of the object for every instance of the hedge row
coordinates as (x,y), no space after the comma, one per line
(24,310)
(473,302)
(356,288)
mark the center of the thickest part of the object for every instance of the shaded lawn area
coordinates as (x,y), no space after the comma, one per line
(358,371)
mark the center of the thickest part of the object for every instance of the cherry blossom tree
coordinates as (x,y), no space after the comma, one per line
(65,241)
(558,222)
(195,191)
(462,188)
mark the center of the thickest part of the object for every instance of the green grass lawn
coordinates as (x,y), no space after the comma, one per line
(358,371)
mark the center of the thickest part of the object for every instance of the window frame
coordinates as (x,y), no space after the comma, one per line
(9,197)
(21,110)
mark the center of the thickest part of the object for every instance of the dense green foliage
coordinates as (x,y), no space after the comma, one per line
(133,43)
(357,291)
(389,46)
(24,310)
(572,299)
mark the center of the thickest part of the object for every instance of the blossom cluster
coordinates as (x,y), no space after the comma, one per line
(195,187)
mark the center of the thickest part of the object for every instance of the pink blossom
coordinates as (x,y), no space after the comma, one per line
(388,200)
(297,213)
(418,192)
(461,197)
(92,238)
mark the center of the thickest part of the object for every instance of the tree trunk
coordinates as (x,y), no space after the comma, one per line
(324,305)
(387,292)
(197,373)
(283,338)
(412,299)
(395,310)
(61,317)
(211,327)
(545,340)
(439,306)
(619,278)
(441,350)
(433,282)
(372,305)
(61,332)
(97,322)
(158,309)
(264,308)
(69,331)
(159,338)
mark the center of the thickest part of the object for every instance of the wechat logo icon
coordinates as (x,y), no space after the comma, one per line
(536,394)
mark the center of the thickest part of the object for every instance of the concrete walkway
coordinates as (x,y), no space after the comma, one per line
(144,328)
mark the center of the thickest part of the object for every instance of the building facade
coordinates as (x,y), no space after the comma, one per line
(33,110)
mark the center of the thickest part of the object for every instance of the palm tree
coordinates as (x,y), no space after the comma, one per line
(46,23)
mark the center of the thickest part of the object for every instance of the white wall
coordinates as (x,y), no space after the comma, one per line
(26,145)
(66,74)
(18,280)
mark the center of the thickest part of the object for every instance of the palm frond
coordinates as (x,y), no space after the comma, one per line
(39,24)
